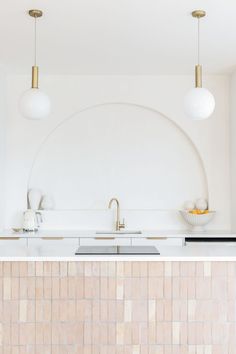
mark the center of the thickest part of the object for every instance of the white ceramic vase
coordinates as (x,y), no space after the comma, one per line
(47,203)
(34,197)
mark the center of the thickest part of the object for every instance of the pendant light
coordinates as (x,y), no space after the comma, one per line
(35,104)
(199,103)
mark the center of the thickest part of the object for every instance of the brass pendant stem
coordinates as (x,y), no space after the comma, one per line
(198,76)
(35,76)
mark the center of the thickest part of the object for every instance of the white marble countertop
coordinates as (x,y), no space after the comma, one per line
(122,234)
(192,251)
(188,252)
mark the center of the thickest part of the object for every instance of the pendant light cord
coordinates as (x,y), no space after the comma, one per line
(35,41)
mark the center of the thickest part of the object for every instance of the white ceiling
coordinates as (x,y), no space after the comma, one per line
(118,36)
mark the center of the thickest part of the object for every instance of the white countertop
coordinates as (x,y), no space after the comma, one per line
(93,233)
(224,251)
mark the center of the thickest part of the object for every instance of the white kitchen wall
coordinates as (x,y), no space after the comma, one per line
(3,116)
(69,94)
(233,147)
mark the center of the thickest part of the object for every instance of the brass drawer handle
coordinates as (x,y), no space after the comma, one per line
(156,238)
(104,238)
(9,238)
(52,238)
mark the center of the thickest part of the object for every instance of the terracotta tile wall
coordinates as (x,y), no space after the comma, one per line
(118,307)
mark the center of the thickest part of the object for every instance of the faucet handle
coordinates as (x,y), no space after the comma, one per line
(122,225)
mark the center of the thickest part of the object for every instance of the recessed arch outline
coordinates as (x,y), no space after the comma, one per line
(64,121)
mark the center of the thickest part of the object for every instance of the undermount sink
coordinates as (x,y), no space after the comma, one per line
(123,232)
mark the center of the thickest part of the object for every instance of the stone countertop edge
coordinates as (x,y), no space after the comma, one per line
(92,234)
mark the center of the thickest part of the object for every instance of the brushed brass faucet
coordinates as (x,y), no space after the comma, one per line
(119,225)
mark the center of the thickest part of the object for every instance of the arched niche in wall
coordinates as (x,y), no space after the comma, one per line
(119,150)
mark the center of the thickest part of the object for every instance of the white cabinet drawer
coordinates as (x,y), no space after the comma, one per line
(47,246)
(13,246)
(105,241)
(155,241)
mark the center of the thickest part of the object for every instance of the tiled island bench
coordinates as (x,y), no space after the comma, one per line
(123,307)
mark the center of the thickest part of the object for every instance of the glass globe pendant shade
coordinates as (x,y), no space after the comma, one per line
(199,103)
(34,104)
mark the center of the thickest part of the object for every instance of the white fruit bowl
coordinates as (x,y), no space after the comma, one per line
(197,221)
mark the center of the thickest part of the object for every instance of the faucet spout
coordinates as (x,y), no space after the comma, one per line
(119,225)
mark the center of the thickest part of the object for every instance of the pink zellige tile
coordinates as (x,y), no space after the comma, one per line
(159,333)
(167,333)
(47,269)
(96,310)
(128,269)
(64,288)
(143,332)
(155,288)
(39,269)
(231,288)
(79,287)
(7,288)
(207,333)
(15,287)
(7,269)
(112,288)
(14,334)
(72,270)
(135,284)
(55,269)
(24,269)
(96,269)
(136,266)
(168,310)
(155,269)
(38,287)
(139,310)
(175,269)
(104,288)
(152,310)
(55,288)
(219,269)
(120,289)
(63,269)
(111,269)
(231,269)
(183,334)
(120,311)
(104,310)
(120,269)
(135,333)
(47,284)
(120,330)
(111,310)
(176,288)
(219,288)
(168,288)
(128,333)
(30,311)
(23,288)
(203,288)
(191,285)
(152,333)
(72,288)
(111,333)
(15,270)
(183,288)
(231,310)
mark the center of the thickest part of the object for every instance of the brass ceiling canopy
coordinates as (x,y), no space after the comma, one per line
(35,13)
(199,13)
